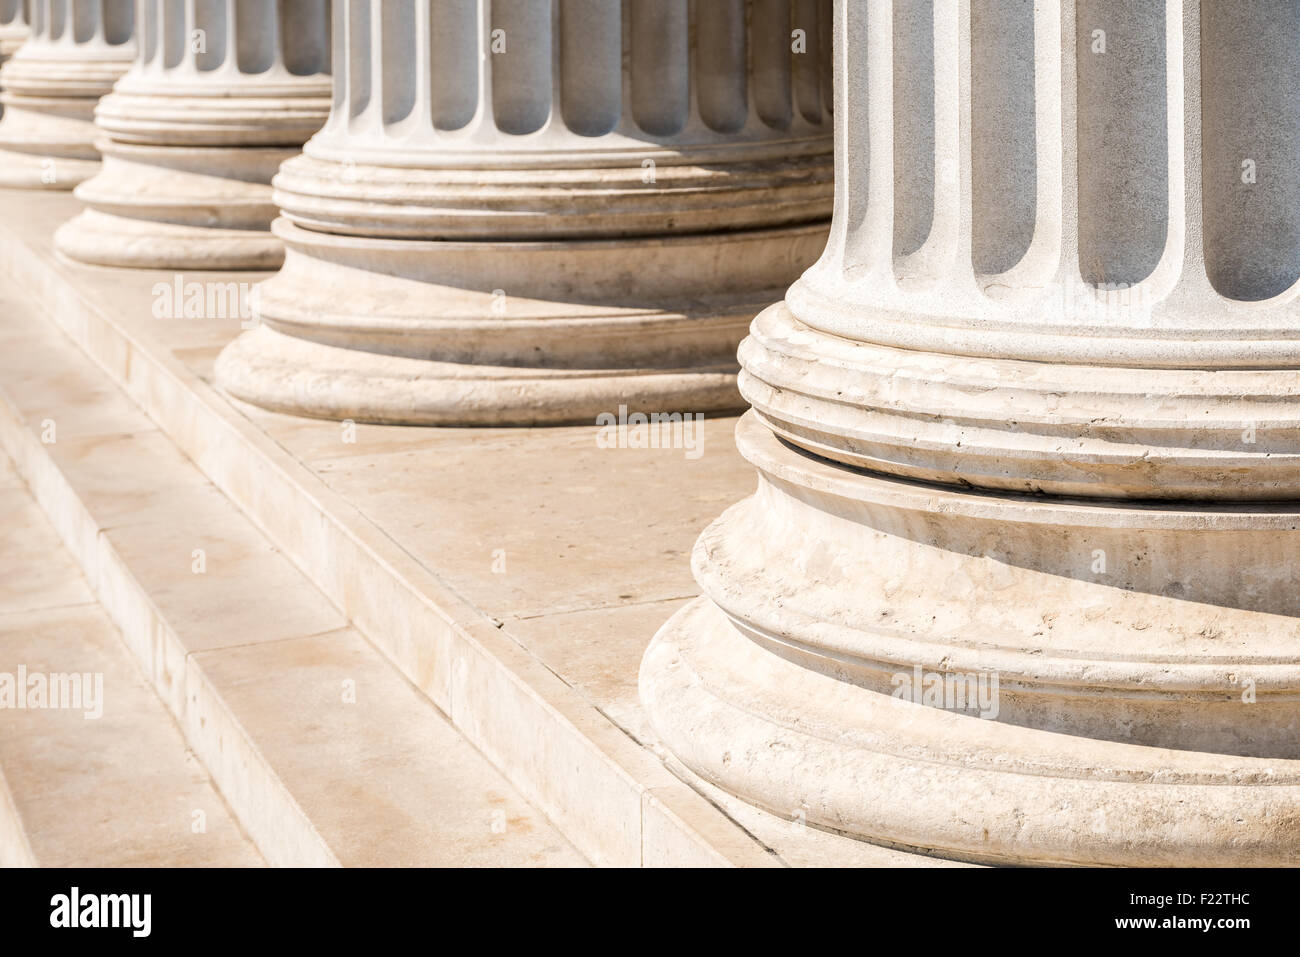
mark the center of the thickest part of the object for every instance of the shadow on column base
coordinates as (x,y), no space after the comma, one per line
(286,374)
(1095,683)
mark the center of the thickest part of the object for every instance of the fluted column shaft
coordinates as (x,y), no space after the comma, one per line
(551,207)
(220,95)
(1030,419)
(49,88)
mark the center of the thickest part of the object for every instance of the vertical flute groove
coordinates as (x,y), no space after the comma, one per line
(1005,153)
(1251,143)
(770,56)
(591,72)
(721,65)
(1123,146)
(914,123)
(454,63)
(660,63)
(521,55)
(397,72)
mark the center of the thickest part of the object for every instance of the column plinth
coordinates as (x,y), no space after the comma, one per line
(1027,426)
(529,215)
(49,88)
(220,95)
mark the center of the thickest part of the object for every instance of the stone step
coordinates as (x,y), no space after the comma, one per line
(106,777)
(324,752)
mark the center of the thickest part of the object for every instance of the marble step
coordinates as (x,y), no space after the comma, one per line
(97,772)
(325,754)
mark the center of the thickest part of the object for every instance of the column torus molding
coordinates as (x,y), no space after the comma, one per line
(76,50)
(533,211)
(1018,584)
(221,93)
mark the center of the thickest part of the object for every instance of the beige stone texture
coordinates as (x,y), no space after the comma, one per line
(192,136)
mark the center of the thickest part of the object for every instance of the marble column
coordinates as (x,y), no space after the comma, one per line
(221,93)
(13,27)
(76,50)
(535,211)
(1018,583)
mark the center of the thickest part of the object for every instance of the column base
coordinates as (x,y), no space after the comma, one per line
(168,207)
(108,240)
(508,333)
(1007,425)
(286,374)
(1140,662)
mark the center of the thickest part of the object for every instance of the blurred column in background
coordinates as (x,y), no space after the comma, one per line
(76,50)
(221,93)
